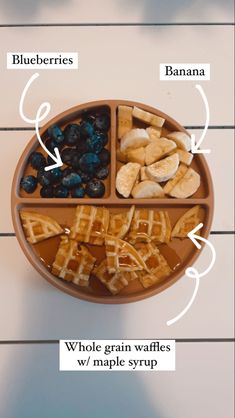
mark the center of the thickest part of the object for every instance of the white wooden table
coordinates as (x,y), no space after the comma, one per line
(119,54)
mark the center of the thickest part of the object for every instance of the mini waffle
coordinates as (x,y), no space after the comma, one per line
(150,225)
(90,224)
(114,282)
(38,227)
(122,256)
(73,263)
(119,223)
(186,223)
(155,262)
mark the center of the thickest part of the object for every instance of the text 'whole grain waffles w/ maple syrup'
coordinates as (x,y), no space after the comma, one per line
(111,225)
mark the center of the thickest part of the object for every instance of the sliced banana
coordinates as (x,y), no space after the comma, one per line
(124,120)
(136,155)
(121,156)
(148,117)
(177,177)
(184,156)
(164,169)
(126,178)
(187,186)
(143,174)
(182,140)
(136,138)
(147,189)
(158,149)
(154,133)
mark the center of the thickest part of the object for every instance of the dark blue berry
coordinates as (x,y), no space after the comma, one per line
(89,162)
(61,191)
(95,188)
(51,145)
(89,118)
(56,175)
(67,171)
(82,146)
(72,134)
(103,136)
(85,177)
(95,143)
(47,191)
(78,192)
(104,157)
(75,160)
(71,180)
(102,122)
(66,155)
(44,177)
(37,160)
(86,129)
(56,133)
(28,184)
(102,173)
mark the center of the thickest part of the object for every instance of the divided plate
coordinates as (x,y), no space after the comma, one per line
(180,253)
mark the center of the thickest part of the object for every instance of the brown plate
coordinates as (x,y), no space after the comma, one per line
(180,254)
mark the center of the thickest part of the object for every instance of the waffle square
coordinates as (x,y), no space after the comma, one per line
(90,224)
(155,262)
(39,227)
(150,226)
(73,263)
(114,282)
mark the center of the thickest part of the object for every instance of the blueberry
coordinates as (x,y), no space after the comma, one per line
(104,157)
(67,171)
(56,174)
(75,160)
(71,180)
(28,184)
(61,191)
(66,155)
(37,160)
(102,122)
(72,134)
(51,145)
(44,177)
(85,177)
(47,191)
(95,143)
(89,118)
(86,129)
(89,162)
(56,133)
(82,146)
(102,173)
(95,188)
(104,137)
(78,192)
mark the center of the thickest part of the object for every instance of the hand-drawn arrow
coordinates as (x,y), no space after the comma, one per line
(193,273)
(44,107)
(195,146)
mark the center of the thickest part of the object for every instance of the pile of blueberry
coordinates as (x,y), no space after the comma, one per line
(85,158)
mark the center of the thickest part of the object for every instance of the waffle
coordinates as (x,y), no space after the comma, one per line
(155,262)
(38,227)
(119,223)
(73,263)
(186,223)
(122,256)
(90,224)
(114,282)
(150,226)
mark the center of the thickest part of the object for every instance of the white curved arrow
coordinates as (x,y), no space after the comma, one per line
(42,113)
(193,273)
(195,146)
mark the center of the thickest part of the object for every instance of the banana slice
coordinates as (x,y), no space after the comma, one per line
(158,149)
(184,156)
(182,140)
(186,223)
(163,170)
(147,189)
(124,120)
(121,156)
(143,174)
(148,117)
(187,186)
(135,138)
(154,133)
(136,155)
(177,177)
(126,178)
